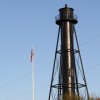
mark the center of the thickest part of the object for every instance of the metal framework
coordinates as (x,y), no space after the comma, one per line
(68,76)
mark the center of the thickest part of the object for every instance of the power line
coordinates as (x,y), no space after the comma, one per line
(90,40)
(94,67)
(28,92)
(90,68)
(46,85)
(11,82)
(19,95)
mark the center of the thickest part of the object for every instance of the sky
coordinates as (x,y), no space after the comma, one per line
(31,23)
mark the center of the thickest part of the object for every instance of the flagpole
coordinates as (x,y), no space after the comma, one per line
(32,62)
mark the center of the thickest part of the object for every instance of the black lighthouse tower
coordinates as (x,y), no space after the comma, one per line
(68,77)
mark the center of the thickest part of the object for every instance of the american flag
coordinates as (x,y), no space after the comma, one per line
(32,55)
